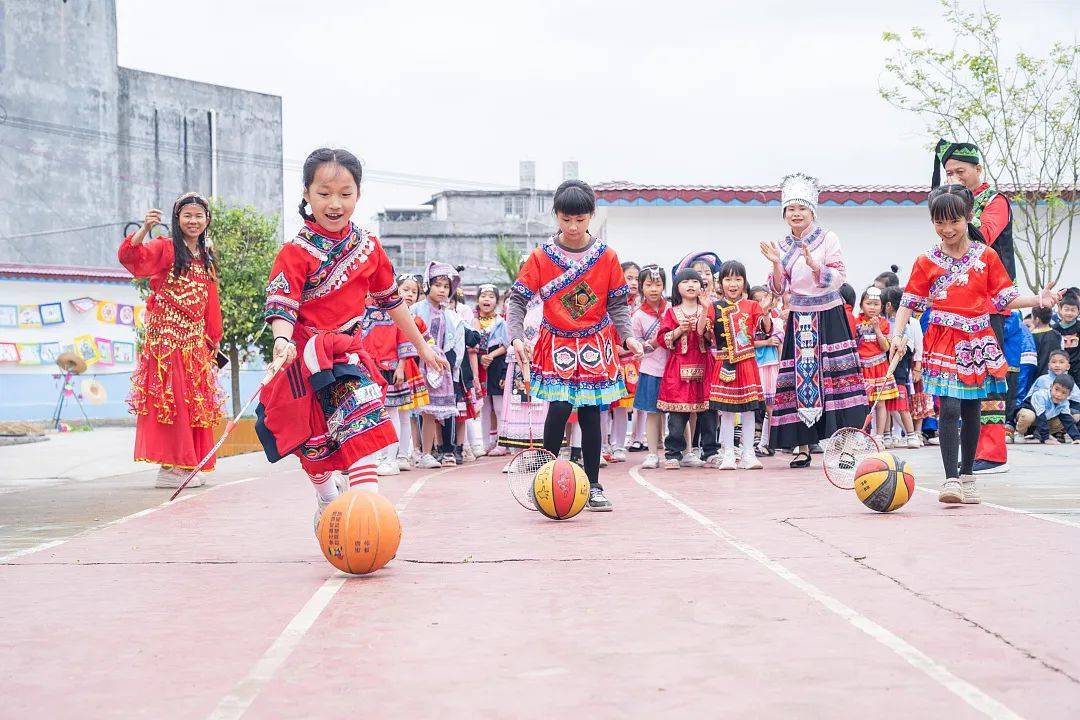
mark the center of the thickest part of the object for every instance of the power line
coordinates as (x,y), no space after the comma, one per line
(62,230)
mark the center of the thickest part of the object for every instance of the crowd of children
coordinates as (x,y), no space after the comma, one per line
(594,357)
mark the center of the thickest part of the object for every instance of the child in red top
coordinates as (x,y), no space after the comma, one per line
(872,335)
(316,291)
(957,282)
(586,319)
(685,331)
(174,390)
(736,381)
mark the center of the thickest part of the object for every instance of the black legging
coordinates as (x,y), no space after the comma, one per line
(958,429)
(589,420)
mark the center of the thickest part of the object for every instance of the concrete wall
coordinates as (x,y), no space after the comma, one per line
(84,142)
(873,238)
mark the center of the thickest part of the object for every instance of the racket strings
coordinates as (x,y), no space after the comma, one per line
(843,453)
(522,471)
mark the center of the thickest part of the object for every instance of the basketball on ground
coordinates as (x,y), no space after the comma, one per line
(561,489)
(884,482)
(359,532)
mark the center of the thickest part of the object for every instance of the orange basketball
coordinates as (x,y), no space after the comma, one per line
(561,489)
(359,532)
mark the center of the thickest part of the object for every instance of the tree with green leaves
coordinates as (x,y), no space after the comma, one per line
(1023,115)
(245,242)
(509,257)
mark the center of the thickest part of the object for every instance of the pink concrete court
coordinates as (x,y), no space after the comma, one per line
(765,595)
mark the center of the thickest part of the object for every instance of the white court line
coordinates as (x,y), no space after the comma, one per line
(244,693)
(967,692)
(1039,516)
(111,523)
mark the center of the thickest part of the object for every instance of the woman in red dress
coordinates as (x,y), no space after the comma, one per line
(174,391)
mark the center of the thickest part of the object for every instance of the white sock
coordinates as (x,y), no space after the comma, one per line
(575,436)
(404,428)
(362,475)
(765,426)
(748,435)
(605,430)
(390,452)
(640,418)
(324,485)
(727,432)
(619,421)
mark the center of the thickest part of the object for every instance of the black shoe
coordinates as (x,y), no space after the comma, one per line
(801,460)
(815,449)
(986,467)
(575,455)
(459,457)
(597,502)
(637,446)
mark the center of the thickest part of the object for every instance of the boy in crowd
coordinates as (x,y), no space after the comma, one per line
(1047,405)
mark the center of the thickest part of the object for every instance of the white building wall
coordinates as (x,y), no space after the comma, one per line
(873,238)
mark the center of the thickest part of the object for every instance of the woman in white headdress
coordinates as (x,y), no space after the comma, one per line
(819,388)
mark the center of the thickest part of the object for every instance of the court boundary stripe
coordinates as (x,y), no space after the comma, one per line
(1019,511)
(244,694)
(966,691)
(118,521)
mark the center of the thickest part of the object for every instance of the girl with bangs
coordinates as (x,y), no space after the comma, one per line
(957,282)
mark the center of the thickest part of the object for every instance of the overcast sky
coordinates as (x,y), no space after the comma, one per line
(681,92)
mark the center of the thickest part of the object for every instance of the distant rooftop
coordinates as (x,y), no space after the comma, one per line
(622,192)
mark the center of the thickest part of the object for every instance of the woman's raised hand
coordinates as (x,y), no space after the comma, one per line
(771,252)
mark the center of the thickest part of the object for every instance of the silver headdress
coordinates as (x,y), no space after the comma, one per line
(799,188)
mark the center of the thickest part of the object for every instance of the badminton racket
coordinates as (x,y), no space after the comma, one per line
(847,447)
(229,427)
(523,466)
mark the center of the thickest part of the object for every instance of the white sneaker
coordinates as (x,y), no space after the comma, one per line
(319,510)
(603,460)
(728,463)
(403,463)
(750,463)
(652,462)
(388,466)
(914,441)
(467,454)
(951,492)
(169,477)
(970,492)
(341,482)
(498,451)
(887,441)
(693,459)
(618,454)
(428,462)
(672,464)
(478,451)
(880,440)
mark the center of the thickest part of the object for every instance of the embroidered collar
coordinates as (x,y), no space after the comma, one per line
(324,233)
(947,262)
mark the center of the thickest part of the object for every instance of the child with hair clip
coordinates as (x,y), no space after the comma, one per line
(957,282)
(328,409)
(736,384)
(767,345)
(586,318)
(446,330)
(685,331)
(645,325)
(631,368)
(873,339)
(494,342)
(899,408)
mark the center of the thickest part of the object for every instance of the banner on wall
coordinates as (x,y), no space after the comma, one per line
(94,350)
(52,313)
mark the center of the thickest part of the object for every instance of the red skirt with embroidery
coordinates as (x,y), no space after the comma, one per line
(880,385)
(736,388)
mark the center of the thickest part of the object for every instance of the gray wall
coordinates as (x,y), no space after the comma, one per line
(85,142)
(468,236)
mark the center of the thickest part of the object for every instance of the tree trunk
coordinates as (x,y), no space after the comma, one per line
(234,374)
